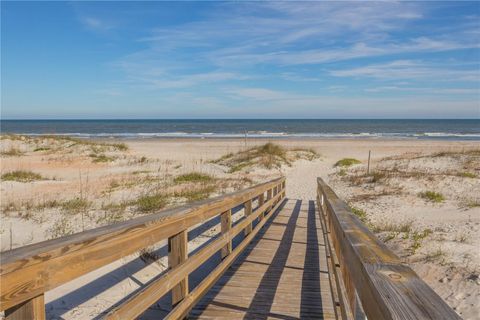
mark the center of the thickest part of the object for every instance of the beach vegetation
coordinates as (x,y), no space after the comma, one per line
(269,155)
(193,177)
(347,162)
(438,254)
(467,175)
(12,152)
(75,205)
(196,194)
(151,202)
(39,149)
(60,228)
(360,213)
(21,176)
(432,196)
(101,158)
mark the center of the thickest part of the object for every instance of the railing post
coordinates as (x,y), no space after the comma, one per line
(178,253)
(226,225)
(269,197)
(261,201)
(248,211)
(31,309)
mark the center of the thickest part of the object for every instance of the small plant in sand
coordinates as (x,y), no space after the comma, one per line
(21,176)
(101,158)
(436,255)
(467,175)
(417,238)
(193,177)
(196,194)
(40,149)
(360,213)
(347,162)
(75,205)
(60,228)
(432,196)
(149,203)
(12,152)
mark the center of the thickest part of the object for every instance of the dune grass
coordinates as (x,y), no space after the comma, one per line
(269,155)
(197,193)
(97,158)
(75,205)
(432,196)
(151,202)
(21,176)
(12,152)
(346,162)
(193,177)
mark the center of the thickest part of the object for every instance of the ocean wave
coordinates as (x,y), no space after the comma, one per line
(263,134)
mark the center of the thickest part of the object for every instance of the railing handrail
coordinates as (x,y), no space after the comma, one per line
(386,287)
(28,272)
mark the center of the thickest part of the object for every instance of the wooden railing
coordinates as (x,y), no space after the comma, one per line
(28,272)
(369,279)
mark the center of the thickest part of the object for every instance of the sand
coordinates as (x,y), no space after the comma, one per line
(445,235)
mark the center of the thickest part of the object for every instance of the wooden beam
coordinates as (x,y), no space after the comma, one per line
(178,254)
(261,201)
(33,309)
(226,225)
(248,211)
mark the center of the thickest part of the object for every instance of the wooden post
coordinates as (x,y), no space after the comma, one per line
(368,165)
(261,201)
(31,309)
(248,211)
(226,224)
(178,253)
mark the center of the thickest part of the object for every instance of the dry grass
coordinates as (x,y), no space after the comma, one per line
(346,162)
(21,176)
(149,203)
(75,205)
(12,152)
(267,156)
(196,194)
(193,177)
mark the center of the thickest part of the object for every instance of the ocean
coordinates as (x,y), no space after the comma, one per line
(294,128)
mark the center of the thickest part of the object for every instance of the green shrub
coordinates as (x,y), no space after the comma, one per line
(432,196)
(468,175)
(193,177)
(21,176)
(75,205)
(347,162)
(149,203)
(360,213)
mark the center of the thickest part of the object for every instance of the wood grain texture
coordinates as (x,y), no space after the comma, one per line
(248,212)
(387,288)
(178,254)
(283,274)
(225,226)
(33,309)
(32,270)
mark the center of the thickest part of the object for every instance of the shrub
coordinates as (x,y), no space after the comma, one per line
(432,196)
(360,213)
(75,205)
(149,203)
(468,175)
(12,152)
(21,176)
(347,162)
(193,177)
(101,158)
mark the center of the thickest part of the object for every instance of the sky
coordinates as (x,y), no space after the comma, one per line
(212,59)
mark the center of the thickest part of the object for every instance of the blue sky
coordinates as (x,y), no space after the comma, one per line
(240,59)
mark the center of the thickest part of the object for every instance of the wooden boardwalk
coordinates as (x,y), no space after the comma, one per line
(283,273)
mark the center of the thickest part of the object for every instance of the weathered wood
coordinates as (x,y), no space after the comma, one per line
(178,254)
(261,201)
(226,225)
(31,270)
(248,211)
(282,275)
(31,309)
(135,305)
(182,309)
(386,287)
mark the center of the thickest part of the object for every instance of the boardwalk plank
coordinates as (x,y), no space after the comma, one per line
(281,275)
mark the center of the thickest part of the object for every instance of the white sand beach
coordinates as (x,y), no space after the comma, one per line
(421,197)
